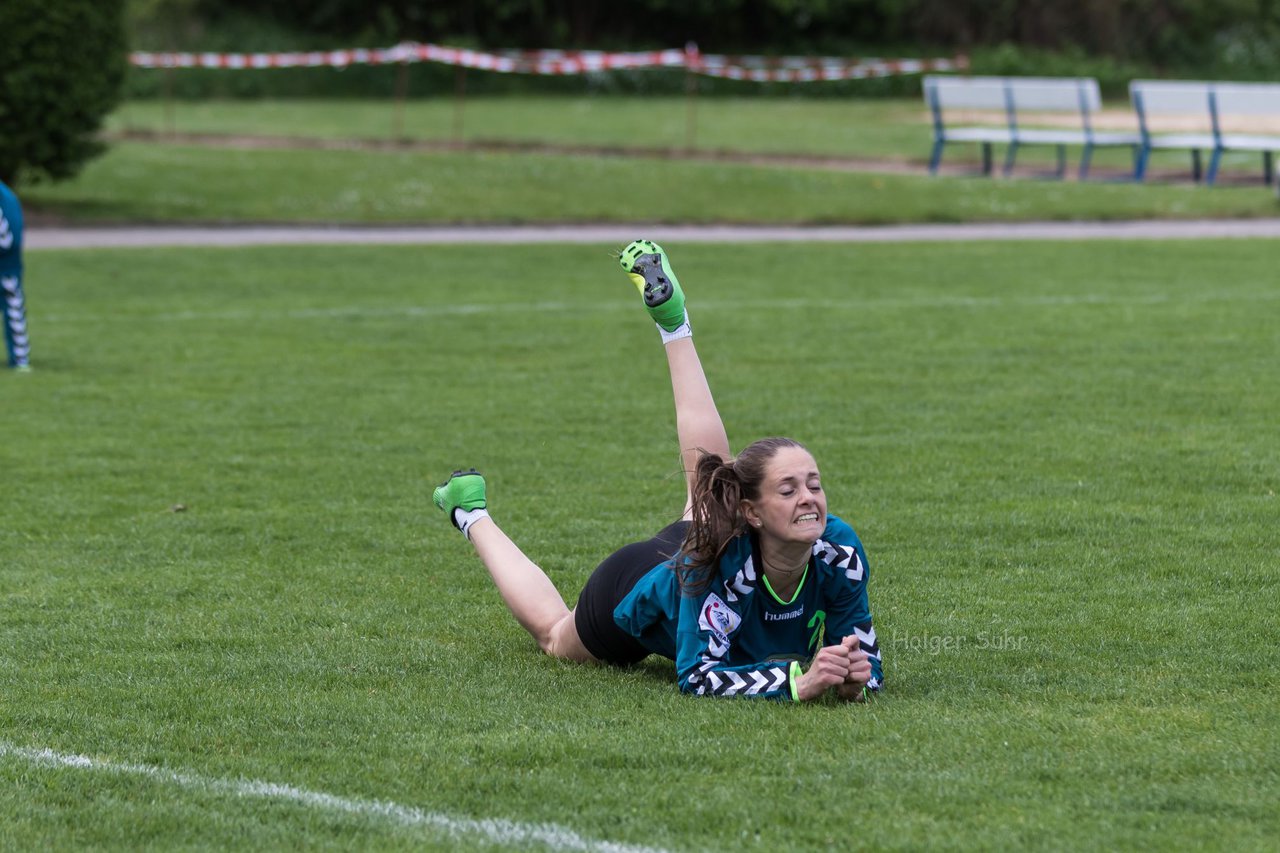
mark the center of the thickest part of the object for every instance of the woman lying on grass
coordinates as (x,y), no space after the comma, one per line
(761,576)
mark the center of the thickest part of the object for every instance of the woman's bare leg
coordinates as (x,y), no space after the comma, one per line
(699,428)
(524,587)
(528,593)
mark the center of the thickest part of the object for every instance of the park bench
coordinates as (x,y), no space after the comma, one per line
(1211,108)
(1013,97)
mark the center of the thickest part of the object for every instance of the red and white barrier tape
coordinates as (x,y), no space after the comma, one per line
(799,69)
(313,59)
(561,62)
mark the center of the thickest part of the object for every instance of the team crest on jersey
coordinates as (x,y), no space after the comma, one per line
(717,617)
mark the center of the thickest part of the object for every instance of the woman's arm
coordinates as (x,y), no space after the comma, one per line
(845,592)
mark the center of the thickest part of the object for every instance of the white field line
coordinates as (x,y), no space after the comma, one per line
(569,308)
(494,831)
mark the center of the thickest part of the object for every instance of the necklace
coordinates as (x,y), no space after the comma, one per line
(788,572)
(757,546)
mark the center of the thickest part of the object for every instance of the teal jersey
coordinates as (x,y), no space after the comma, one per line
(735,638)
(10,232)
(13,311)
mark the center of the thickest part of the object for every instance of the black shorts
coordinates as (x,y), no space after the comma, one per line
(612,580)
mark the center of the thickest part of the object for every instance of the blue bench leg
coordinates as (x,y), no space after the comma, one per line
(1085,155)
(1062,162)
(1141,154)
(986,158)
(1268,168)
(1215,160)
(935,157)
(1196,171)
(1009,157)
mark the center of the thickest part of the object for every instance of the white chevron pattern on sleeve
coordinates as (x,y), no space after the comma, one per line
(867,642)
(750,683)
(840,557)
(15,319)
(701,678)
(743,583)
(6,235)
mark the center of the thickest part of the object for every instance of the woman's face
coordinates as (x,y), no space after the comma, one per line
(792,506)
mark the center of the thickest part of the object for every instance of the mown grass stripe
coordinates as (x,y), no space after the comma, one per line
(521,308)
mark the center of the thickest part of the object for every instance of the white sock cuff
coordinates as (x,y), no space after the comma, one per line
(464,518)
(684,330)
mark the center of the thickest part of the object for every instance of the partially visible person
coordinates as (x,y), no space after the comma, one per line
(15,308)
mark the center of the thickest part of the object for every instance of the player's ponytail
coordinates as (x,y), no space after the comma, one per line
(719,487)
(716,519)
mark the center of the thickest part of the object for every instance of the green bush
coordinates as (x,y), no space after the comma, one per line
(1113,75)
(61,68)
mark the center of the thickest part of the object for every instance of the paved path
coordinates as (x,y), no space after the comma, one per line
(39,237)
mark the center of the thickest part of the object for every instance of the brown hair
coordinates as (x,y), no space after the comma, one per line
(719,488)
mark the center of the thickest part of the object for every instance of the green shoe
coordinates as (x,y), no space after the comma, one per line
(646,264)
(463,490)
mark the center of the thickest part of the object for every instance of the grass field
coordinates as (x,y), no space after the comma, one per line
(221,571)
(168,182)
(151,182)
(866,128)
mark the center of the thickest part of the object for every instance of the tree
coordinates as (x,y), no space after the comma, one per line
(62,63)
